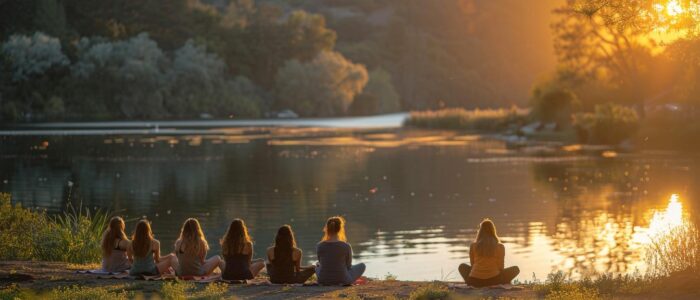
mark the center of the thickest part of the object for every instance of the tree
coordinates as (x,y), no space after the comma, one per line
(29,68)
(30,56)
(50,17)
(198,84)
(259,49)
(124,78)
(324,86)
(608,41)
(378,97)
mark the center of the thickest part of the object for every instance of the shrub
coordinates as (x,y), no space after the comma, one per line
(609,124)
(551,102)
(489,120)
(19,228)
(73,236)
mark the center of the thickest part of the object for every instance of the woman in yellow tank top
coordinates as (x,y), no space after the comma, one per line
(486,256)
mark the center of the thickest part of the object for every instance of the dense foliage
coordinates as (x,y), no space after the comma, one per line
(73,236)
(608,124)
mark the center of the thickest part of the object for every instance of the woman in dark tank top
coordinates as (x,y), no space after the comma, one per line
(285,259)
(237,250)
(114,244)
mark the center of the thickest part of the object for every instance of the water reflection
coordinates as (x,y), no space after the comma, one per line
(413,199)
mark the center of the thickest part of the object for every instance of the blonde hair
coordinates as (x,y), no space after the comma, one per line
(192,237)
(114,230)
(487,239)
(235,238)
(142,238)
(334,226)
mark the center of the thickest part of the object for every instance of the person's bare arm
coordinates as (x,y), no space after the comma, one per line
(130,253)
(155,245)
(270,254)
(203,253)
(297,253)
(248,249)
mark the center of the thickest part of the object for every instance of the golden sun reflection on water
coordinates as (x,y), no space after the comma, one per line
(662,222)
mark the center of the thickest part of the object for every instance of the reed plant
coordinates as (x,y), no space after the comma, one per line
(72,236)
(674,252)
(486,120)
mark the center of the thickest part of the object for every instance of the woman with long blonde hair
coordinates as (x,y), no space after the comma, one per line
(486,258)
(237,250)
(191,249)
(144,253)
(114,244)
(335,255)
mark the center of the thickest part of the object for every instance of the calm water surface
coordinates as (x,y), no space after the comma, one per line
(413,199)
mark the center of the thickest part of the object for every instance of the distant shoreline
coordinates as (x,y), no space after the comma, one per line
(388,121)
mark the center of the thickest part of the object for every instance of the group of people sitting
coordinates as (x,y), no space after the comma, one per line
(141,255)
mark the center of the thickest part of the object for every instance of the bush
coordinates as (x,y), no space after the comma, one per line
(609,124)
(19,228)
(72,237)
(551,102)
(489,120)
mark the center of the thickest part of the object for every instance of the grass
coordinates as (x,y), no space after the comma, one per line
(433,291)
(181,290)
(62,293)
(73,236)
(488,120)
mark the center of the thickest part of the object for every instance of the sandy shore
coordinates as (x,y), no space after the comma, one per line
(44,276)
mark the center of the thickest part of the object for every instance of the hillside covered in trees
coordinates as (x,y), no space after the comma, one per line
(182,59)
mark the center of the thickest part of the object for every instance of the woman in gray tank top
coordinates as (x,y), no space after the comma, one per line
(335,256)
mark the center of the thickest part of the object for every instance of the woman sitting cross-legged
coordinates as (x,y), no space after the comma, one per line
(114,245)
(335,256)
(191,250)
(237,249)
(285,259)
(144,253)
(486,256)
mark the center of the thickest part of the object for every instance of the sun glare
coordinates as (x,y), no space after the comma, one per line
(662,222)
(673,8)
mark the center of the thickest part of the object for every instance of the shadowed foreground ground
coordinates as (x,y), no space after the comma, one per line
(49,275)
(42,277)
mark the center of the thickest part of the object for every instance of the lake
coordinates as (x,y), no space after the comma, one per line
(413,199)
